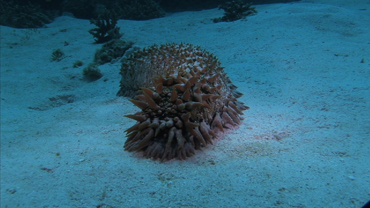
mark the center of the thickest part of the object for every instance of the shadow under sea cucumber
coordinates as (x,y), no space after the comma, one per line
(185,98)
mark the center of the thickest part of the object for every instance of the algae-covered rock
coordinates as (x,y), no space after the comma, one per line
(235,10)
(112,50)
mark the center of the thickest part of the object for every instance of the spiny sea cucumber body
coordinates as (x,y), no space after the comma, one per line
(185,98)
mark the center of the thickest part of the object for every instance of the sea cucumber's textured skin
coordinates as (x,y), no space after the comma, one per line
(185,99)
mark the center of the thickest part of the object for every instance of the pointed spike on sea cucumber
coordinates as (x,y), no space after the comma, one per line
(149,150)
(218,87)
(186,95)
(213,78)
(169,82)
(227,119)
(178,122)
(131,136)
(198,74)
(159,88)
(140,97)
(139,118)
(204,70)
(160,128)
(212,133)
(171,76)
(232,98)
(213,64)
(201,138)
(210,89)
(192,72)
(198,96)
(166,154)
(193,105)
(144,142)
(203,82)
(158,151)
(132,144)
(148,91)
(197,90)
(190,82)
(155,123)
(180,139)
(139,103)
(244,107)
(217,122)
(182,80)
(204,129)
(237,94)
(205,104)
(180,87)
(189,150)
(232,105)
(232,114)
(215,97)
(188,124)
(196,133)
(178,78)
(144,125)
(206,96)
(151,102)
(181,155)
(232,86)
(171,135)
(173,95)
(160,79)
(241,105)
(132,128)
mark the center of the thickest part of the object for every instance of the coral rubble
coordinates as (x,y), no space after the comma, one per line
(185,98)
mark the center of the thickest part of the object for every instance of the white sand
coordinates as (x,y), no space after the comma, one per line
(304,142)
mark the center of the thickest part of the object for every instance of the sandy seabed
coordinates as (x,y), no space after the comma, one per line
(304,69)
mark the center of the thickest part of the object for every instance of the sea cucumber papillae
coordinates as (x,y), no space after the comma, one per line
(185,97)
